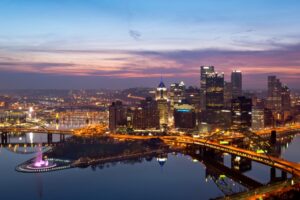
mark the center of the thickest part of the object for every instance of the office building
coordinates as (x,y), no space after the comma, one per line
(204,71)
(184,117)
(117,115)
(146,116)
(236,82)
(241,113)
(162,104)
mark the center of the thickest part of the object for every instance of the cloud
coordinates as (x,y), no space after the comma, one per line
(136,35)
(177,64)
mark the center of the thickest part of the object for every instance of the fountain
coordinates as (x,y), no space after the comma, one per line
(40,164)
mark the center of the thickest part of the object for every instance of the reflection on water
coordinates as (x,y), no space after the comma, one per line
(109,171)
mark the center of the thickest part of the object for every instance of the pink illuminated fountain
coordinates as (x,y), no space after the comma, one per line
(39,163)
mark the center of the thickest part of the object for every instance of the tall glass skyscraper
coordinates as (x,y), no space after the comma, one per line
(236,81)
(204,71)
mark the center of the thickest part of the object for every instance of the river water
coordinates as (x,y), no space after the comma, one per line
(180,177)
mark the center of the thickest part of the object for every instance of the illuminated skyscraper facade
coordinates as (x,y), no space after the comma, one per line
(204,72)
(162,104)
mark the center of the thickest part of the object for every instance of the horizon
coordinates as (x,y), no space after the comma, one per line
(123,44)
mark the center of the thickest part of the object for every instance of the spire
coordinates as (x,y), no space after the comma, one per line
(161,84)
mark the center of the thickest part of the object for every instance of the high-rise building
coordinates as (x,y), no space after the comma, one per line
(162,104)
(161,91)
(214,91)
(227,94)
(286,98)
(204,71)
(241,113)
(192,97)
(236,81)
(214,100)
(146,116)
(176,94)
(258,119)
(184,117)
(117,115)
(274,94)
(269,120)
(279,95)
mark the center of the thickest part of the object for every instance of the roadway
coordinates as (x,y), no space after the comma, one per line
(290,167)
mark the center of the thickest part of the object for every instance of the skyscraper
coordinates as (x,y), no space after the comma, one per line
(214,91)
(214,99)
(227,94)
(241,113)
(236,81)
(274,94)
(258,119)
(117,115)
(204,71)
(162,104)
(146,116)
(161,91)
(177,93)
(285,98)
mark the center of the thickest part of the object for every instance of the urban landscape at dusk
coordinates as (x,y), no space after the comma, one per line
(160,99)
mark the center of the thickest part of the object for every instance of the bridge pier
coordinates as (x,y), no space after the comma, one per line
(274,178)
(4,138)
(213,154)
(273,137)
(240,163)
(283,175)
(49,138)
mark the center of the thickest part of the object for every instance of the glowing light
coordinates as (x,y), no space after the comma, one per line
(31,137)
(31,109)
(224,142)
(260,151)
(222,176)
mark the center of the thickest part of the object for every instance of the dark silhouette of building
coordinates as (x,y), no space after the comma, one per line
(184,117)
(227,94)
(286,98)
(117,115)
(241,113)
(214,99)
(236,81)
(269,120)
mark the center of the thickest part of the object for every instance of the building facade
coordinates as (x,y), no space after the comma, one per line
(236,81)
(241,113)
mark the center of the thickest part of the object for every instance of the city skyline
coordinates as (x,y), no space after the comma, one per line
(149,99)
(122,44)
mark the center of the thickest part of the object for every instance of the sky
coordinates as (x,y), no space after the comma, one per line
(75,44)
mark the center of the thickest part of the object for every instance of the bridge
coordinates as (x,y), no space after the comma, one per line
(287,166)
(290,167)
(36,130)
